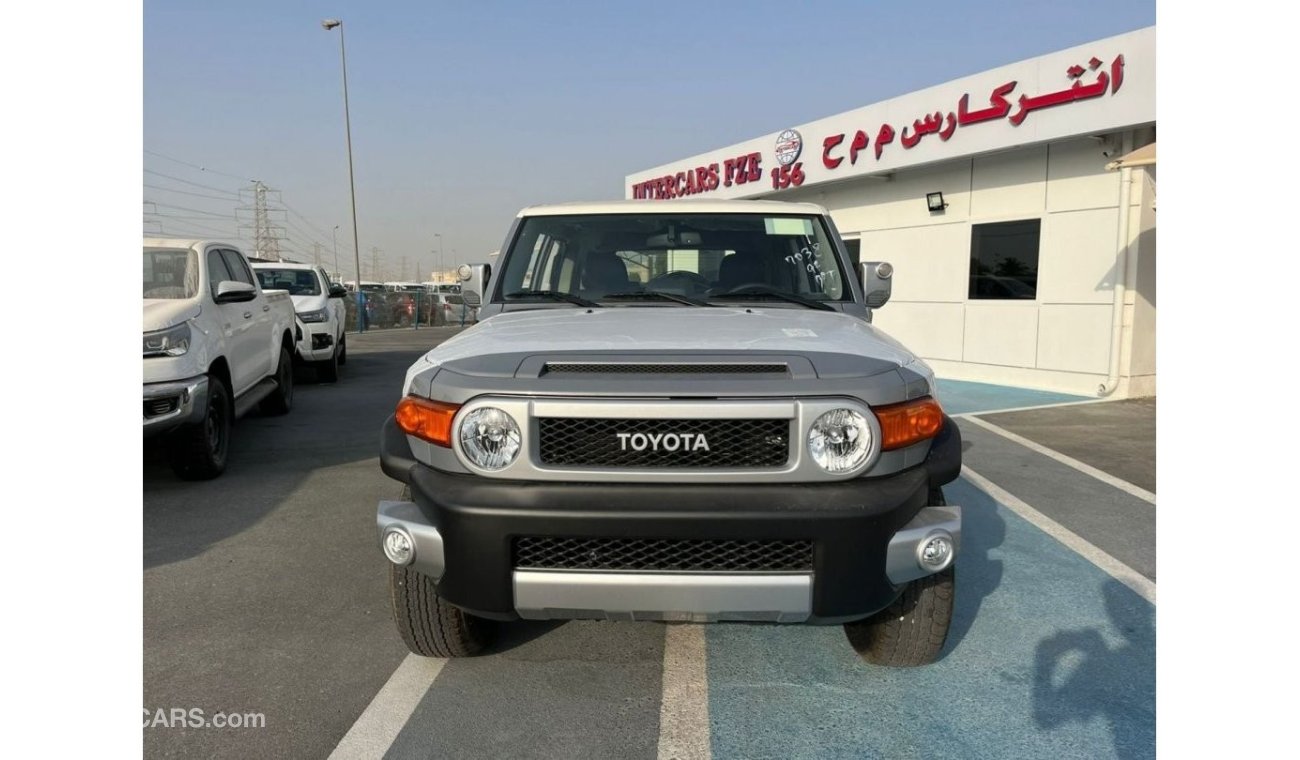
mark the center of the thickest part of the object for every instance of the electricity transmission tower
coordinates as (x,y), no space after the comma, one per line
(266,236)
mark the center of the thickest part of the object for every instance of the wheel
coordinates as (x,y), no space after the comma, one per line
(198,451)
(280,401)
(429,625)
(343,350)
(912,630)
(327,371)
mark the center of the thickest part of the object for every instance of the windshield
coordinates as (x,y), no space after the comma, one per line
(299,282)
(170,273)
(697,255)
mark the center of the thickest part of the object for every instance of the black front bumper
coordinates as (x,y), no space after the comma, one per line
(849,522)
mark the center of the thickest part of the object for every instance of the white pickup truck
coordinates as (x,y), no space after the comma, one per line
(215,345)
(319,304)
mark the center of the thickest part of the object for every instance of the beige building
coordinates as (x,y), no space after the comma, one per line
(1024,248)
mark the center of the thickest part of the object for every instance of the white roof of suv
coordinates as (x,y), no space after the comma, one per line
(689,205)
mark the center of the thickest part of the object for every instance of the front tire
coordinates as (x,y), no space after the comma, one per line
(198,451)
(343,350)
(327,371)
(428,624)
(280,401)
(911,631)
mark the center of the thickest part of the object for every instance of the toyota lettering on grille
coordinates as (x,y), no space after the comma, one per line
(663,441)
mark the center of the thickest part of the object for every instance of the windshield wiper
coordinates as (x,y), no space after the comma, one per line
(655,294)
(746,294)
(552,295)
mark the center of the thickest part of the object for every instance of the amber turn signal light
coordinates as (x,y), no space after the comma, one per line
(427,420)
(910,422)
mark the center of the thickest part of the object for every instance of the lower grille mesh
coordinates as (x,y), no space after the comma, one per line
(692,554)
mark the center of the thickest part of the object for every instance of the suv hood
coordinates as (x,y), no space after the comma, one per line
(161,313)
(669,329)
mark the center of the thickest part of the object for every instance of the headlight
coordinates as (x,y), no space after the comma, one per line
(314,316)
(840,440)
(173,341)
(490,438)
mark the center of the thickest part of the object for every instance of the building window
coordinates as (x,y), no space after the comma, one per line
(1004,260)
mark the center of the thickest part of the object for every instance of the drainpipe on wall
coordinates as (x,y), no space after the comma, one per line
(1121,273)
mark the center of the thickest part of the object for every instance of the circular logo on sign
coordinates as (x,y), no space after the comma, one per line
(788,146)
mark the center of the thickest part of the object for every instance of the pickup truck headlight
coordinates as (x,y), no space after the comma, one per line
(173,341)
(490,438)
(839,440)
(320,315)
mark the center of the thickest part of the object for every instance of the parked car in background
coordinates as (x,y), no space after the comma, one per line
(377,312)
(403,300)
(451,309)
(320,308)
(442,287)
(216,344)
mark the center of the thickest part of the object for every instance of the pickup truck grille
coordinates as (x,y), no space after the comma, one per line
(706,443)
(653,554)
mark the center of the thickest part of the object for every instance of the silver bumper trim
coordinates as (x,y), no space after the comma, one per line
(694,597)
(405,515)
(192,403)
(901,563)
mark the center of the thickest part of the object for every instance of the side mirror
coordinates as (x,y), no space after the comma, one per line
(474,277)
(877,279)
(229,291)
(337,290)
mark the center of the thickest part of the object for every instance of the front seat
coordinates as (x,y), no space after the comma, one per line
(740,268)
(604,273)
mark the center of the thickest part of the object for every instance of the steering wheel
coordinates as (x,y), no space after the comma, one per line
(677,276)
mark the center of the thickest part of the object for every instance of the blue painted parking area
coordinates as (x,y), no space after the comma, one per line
(1051,651)
(1048,657)
(962,397)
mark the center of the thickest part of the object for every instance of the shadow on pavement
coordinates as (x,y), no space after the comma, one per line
(978,574)
(1079,677)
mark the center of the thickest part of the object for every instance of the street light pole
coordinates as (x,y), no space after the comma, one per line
(440,265)
(334,233)
(329,24)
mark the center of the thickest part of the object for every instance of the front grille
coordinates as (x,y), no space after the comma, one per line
(589,442)
(698,555)
(662,369)
(159,406)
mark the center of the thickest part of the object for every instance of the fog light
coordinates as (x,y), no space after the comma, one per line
(398,546)
(936,552)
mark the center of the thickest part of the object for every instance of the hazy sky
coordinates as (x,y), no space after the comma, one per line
(463,113)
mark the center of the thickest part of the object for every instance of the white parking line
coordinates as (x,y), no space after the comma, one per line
(383,719)
(684,712)
(1121,572)
(1086,469)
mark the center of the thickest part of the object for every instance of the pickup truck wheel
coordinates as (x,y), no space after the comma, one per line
(327,371)
(343,350)
(280,401)
(198,451)
(429,625)
(912,630)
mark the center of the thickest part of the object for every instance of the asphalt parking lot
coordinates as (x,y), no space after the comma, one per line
(264,591)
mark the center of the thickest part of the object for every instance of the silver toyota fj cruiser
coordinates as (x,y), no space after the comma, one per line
(674,411)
